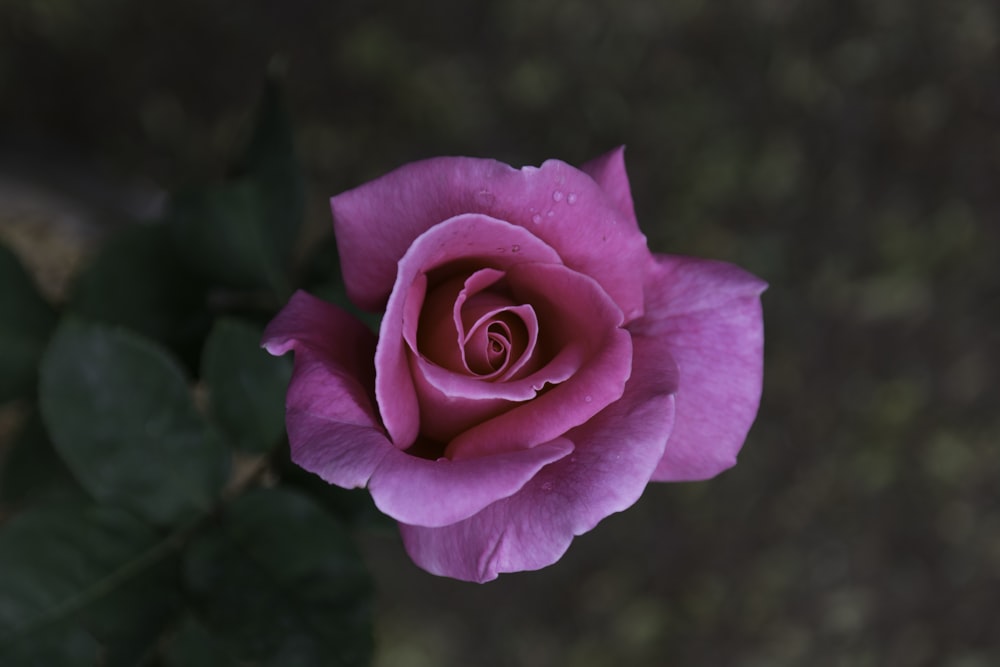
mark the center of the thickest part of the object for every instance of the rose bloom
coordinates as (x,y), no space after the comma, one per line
(536,364)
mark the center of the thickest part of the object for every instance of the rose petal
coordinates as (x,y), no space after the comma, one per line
(477,237)
(609,172)
(616,452)
(332,428)
(578,317)
(333,432)
(376,223)
(710,315)
(420,492)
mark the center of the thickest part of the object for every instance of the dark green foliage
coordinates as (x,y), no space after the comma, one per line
(241,234)
(281,583)
(246,386)
(25,324)
(139,282)
(121,415)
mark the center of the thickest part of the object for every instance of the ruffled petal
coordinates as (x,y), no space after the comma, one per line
(422,492)
(332,427)
(709,313)
(609,172)
(616,452)
(377,222)
(579,320)
(483,240)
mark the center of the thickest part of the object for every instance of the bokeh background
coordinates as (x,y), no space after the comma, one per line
(846,151)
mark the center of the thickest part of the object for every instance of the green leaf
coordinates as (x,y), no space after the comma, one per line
(130,619)
(323,280)
(246,385)
(281,583)
(223,232)
(241,234)
(54,563)
(32,472)
(25,325)
(138,282)
(192,645)
(63,644)
(121,415)
(353,506)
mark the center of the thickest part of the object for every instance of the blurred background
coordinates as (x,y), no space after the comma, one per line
(846,151)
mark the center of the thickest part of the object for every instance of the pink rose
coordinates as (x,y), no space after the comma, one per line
(536,365)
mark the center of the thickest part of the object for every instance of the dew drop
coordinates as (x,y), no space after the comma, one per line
(501,249)
(557,195)
(571,198)
(546,486)
(588,398)
(550,213)
(486,198)
(536,218)
(515,248)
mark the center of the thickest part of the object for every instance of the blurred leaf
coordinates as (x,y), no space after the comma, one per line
(270,160)
(26,323)
(63,644)
(33,473)
(54,564)
(119,412)
(354,506)
(323,280)
(281,583)
(130,619)
(246,385)
(242,233)
(192,645)
(138,282)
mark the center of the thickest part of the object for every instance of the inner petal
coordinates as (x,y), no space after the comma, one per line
(488,348)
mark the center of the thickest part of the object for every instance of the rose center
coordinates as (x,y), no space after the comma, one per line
(488,348)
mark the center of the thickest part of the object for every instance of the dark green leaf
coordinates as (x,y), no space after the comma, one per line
(25,325)
(121,415)
(138,282)
(281,582)
(62,644)
(242,233)
(130,619)
(55,563)
(246,385)
(33,473)
(192,645)
(323,279)
(353,506)
(270,161)
(223,232)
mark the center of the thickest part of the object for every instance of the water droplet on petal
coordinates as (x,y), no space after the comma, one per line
(546,486)
(557,195)
(486,198)
(588,398)
(550,213)
(501,249)
(536,218)
(571,198)
(515,248)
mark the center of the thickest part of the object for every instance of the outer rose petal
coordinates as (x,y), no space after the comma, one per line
(333,432)
(616,452)
(710,315)
(377,222)
(609,172)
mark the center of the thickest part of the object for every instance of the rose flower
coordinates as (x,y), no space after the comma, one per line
(536,364)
